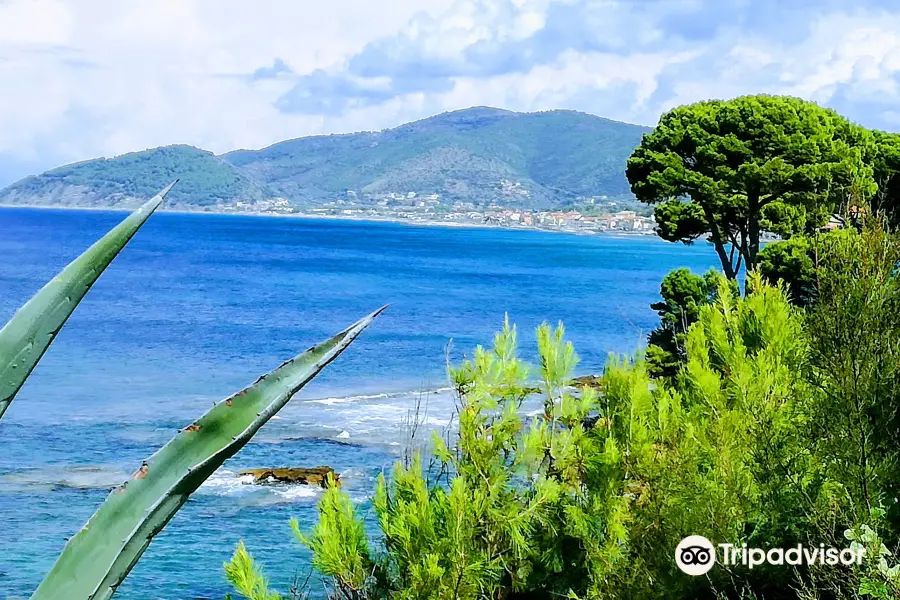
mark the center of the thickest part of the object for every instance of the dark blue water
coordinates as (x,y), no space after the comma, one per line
(197,306)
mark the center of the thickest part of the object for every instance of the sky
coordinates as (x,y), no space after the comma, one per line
(81,79)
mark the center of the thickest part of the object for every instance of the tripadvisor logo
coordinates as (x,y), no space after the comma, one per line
(696,555)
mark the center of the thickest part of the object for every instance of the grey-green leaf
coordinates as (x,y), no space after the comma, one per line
(33,328)
(97,559)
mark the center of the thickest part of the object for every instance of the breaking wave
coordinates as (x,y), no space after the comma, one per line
(227,483)
(82,477)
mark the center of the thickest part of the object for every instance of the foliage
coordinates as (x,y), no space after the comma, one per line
(718,445)
(855,355)
(463,155)
(247,577)
(588,499)
(737,168)
(97,559)
(204,180)
(683,294)
(339,541)
(508,510)
(880,578)
(793,262)
(556,155)
(798,261)
(885,161)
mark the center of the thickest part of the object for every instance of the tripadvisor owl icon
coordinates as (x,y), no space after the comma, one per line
(695,555)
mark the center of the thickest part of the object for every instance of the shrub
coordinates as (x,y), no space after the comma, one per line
(683,294)
(778,429)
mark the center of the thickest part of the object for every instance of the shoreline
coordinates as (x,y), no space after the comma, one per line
(346,218)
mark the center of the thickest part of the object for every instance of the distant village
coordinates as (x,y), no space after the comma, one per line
(593,214)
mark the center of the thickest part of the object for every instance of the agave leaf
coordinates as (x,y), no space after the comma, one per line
(97,559)
(33,328)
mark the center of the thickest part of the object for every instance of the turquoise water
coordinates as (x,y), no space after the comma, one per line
(197,306)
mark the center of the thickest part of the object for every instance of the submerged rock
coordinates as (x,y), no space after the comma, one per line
(591,381)
(594,381)
(314,476)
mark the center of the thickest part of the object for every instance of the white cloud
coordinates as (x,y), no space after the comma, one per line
(38,22)
(574,81)
(848,54)
(84,78)
(112,77)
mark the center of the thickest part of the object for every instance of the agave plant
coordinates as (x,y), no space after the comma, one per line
(98,558)
(25,339)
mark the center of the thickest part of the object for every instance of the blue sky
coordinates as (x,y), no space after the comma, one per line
(87,78)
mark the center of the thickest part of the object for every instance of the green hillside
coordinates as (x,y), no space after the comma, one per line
(546,158)
(555,155)
(205,179)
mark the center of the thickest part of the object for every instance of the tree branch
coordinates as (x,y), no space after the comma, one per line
(717,242)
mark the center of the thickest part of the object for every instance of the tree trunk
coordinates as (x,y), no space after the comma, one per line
(754,207)
(753,234)
(727,266)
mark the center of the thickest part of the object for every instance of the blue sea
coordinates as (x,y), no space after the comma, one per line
(197,306)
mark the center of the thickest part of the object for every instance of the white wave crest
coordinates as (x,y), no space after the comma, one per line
(227,483)
(85,477)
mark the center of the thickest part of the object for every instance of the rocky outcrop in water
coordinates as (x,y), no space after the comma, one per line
(312,476)
(591,381)
(594,381)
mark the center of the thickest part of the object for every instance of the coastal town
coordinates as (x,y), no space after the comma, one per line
(589,216)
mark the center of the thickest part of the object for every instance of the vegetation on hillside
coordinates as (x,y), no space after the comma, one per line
(204,180)
(556,155)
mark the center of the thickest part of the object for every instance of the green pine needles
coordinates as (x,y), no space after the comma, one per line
(588,498)
(247,577)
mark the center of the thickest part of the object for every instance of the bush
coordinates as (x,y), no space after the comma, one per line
(855,366)
(779,428)
(683,294)
(801,261)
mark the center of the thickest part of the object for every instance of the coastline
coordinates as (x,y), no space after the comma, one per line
(346,218)
(223,281)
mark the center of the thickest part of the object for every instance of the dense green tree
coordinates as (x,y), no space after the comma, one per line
(799,261)
(794,262)
(683,294)
(855,341)
(885,160)
(731,170)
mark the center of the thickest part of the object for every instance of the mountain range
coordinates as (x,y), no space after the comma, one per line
(478,154)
